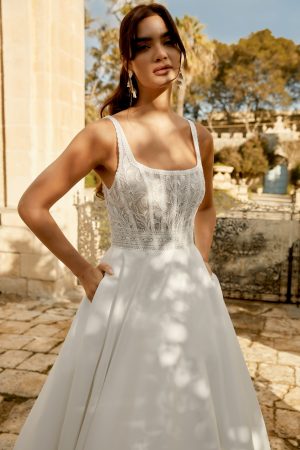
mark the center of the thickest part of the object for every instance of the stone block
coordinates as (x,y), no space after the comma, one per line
(6,312)
(9,264)
(279,327)
(21,382)
(7,441)
(244,342)
(52,318)
(14,341)
(11,218)
(287,423)
(14,327)
(23,315)
(289,358)
(269,393)
(288,344)
(16,239)
(268,416)
(39,362)
(42,344)
(16,417)
(39,288)
(291,400)
(62,334)
(57,349)
(39,267)
(13,285)
(260,353)
(277,443)
(11,358)
(43,330)
(276,373)
(252,367)
(247,321)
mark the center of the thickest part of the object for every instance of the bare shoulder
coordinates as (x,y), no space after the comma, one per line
(103,136)
(206,142)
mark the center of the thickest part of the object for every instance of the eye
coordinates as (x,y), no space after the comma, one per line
(169,42)
(141,47)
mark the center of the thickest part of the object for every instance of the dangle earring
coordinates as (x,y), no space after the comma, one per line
(180,78)
(132,90)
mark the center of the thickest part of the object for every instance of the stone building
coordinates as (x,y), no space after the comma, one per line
(42,108)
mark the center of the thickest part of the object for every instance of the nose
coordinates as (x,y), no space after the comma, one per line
(160,52)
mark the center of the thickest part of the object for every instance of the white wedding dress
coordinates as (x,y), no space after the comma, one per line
(153,363)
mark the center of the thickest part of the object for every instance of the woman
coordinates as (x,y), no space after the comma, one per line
(151,360)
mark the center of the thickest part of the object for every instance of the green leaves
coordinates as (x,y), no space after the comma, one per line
(257,74)
(248,160)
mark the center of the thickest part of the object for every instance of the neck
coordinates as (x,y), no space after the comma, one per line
(153,102)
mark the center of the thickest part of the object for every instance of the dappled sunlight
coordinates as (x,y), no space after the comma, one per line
(173,333)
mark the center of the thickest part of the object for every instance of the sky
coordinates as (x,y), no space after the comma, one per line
(228,20)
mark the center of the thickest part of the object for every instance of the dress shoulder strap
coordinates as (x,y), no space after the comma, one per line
(195,140)
(119,137)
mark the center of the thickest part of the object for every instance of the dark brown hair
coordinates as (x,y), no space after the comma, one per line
(120,99)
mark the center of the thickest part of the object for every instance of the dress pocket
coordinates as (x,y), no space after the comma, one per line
(212,275)
(98,288)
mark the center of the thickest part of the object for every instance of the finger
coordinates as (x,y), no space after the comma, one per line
(105,267)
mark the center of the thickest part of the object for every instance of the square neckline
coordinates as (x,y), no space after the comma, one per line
(157,170)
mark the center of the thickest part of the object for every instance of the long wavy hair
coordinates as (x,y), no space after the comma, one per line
(120,99)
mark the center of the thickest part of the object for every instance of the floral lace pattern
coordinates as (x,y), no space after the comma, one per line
(152,208)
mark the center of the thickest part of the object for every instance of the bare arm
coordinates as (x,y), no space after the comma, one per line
(205,219)
(88,149)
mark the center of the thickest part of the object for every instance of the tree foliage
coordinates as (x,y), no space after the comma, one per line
(259,74)
(248,160)
(230,156)
(253,160)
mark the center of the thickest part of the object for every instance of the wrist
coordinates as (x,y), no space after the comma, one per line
(81,269)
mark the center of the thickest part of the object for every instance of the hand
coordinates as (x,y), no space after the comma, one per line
(91,278)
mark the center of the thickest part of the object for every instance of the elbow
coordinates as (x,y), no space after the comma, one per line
(28,211)
(23,209)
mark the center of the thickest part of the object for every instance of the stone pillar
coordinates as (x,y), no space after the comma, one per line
(42,108)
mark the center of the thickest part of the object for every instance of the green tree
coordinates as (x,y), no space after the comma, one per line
(253,160)
(258,74)
(200,56)
(230,156)
(248,160)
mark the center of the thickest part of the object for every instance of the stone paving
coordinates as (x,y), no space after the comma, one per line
(32,332)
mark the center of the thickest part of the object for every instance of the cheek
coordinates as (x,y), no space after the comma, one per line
(142,66)
(175,55)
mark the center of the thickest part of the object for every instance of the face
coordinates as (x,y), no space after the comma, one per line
(158,49)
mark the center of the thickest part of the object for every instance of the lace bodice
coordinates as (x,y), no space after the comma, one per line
(152,208)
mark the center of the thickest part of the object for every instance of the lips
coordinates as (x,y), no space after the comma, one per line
(162,67)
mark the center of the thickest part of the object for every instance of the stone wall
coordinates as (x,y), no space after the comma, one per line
(256,249)
(282,132)
(42,107)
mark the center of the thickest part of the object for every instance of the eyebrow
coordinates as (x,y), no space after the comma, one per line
(149,38)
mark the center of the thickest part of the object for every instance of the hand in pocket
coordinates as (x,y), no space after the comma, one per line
(92,277)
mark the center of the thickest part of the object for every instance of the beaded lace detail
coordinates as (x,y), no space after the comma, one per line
(152,208)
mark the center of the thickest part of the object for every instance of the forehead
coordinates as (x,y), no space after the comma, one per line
(153,26)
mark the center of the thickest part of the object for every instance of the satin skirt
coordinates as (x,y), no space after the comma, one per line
(152,363)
